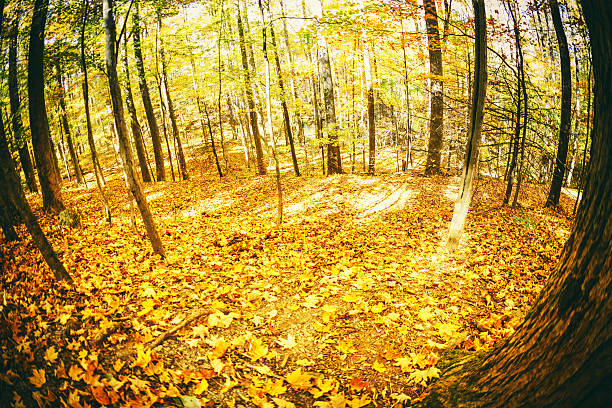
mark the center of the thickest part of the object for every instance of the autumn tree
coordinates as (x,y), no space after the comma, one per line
(125,150)
(436,89)
(561,355)
(566,108)
(48,176)
(470,168)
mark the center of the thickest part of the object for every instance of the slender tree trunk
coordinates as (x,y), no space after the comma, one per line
(134,124)
(146,98)
(283,95)
(90,139)
(561,355)
(121,129)
(48,177)
(436,89)
(408,118)
(182,164)
(15,103)
(212,141)
(370,96)
(64,124)
(470,168)
(261,169)
(566,108)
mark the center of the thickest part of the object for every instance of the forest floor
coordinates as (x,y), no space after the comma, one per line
(350,303)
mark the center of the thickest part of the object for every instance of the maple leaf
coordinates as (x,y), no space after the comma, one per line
(357,384)
(405,363)
(346,346)
(38,378)
(281,403)
(50,355)
(299,380)
(425,313)
(359,402)
(287,343)
(202,386)
(275,388)
(75,372)
(257,349)
(422,376)
(379,367)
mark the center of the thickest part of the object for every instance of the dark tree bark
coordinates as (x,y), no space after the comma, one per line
(61,95)
(121,129)
(370,100)
(134,124)
(436,120)
(15,103)
(48,177)
(470,168)
(261,168)
(561,355)
(566,108)
(146,98)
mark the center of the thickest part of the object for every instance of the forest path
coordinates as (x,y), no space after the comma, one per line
(353,298)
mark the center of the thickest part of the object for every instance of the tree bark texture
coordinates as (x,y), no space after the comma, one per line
(566,108)
(370,102)
(134,123)
(561,355)
(261,168)
(121,129)
(334,163)
(146,98)
(61,95)
(436,90)
(48,177)
(470,168)
(15,104)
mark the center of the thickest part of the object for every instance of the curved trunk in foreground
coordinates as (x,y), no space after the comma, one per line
(561,355)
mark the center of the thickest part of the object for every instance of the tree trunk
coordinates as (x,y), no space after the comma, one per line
(407,89)
(279,188)
(283,95)
(15,103)
(566,108)
(121,129)
(334,163)
(261,168)
(470,168)
(436,90)
(182,164)
(48,177)
(64,124)
(134,124)
(561,355)
(90,139)
(370,96)
(146,98)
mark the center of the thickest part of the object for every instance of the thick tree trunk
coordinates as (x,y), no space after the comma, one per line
(436,90)
(48,177)
(561,355)
(334,163)
(283,95)
(121,129)
(566,108)
(61,95)
(146,98)
(470,168)
(15,103)
(261,168)
(134,123)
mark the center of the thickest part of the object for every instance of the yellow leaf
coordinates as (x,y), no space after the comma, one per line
(299,380)
(405,363)
(202,386)
(75,372)
(351,298)
(281,403)
(321,328)
(359,402)
(257,349)
(287,343)
(118,365)
(304,362)
(379,367)
(50,355)
(275,388)
(425,314)
(39,378)
(143,359)
(346,346)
